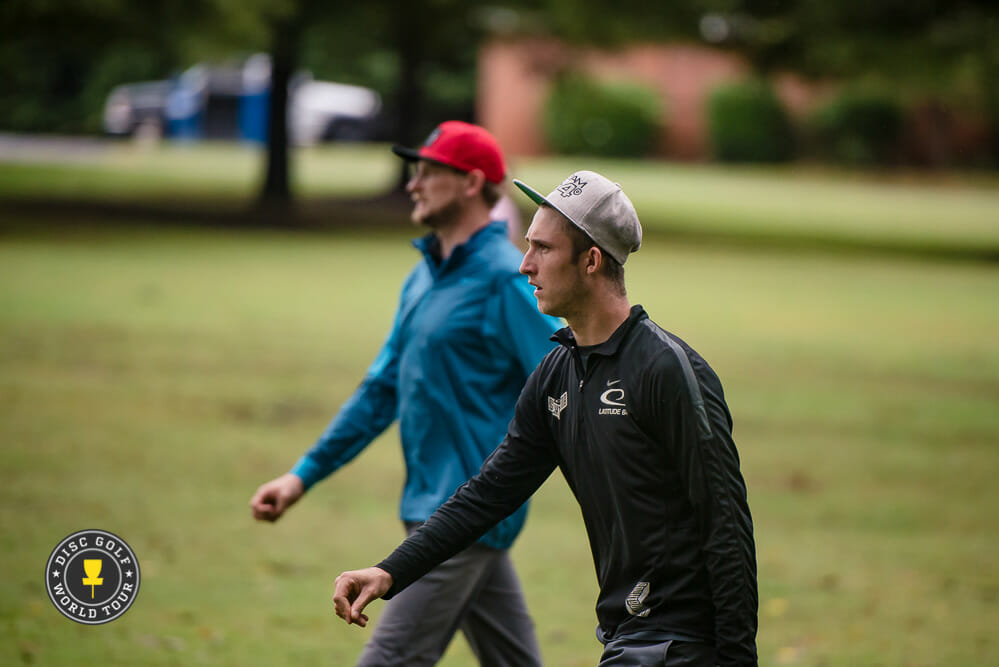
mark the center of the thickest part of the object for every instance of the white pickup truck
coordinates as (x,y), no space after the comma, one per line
(230,102)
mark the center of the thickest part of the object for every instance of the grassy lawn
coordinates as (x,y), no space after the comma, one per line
(223,172)
(952,213)
(150,379)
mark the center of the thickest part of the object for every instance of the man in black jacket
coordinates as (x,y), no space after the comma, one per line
(638,424)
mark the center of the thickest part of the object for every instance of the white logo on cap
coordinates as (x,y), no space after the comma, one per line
(433,137)
(572,186)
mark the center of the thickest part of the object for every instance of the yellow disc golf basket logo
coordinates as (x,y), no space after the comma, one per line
(92,566)
(92,577)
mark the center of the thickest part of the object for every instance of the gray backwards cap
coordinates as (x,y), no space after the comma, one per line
(598,207)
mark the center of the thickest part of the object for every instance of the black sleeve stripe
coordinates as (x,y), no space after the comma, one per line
(693,386)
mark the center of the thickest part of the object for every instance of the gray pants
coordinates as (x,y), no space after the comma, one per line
(477,591)
(625,652)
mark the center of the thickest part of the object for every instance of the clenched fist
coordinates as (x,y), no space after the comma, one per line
(273,498)
(354,590)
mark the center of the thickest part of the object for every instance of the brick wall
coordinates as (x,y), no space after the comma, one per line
(515,77)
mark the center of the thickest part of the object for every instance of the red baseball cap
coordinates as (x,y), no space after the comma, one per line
(460,145)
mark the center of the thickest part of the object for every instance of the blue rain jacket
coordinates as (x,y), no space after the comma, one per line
(466,336)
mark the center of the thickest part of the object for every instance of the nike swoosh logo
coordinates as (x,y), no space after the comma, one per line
(611,384)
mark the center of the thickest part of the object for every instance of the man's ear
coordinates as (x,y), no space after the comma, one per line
(476,180)
(593,260)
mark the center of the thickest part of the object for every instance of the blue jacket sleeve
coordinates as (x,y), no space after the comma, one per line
(514,323)
(362,418)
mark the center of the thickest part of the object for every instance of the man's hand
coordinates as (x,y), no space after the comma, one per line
(273,498)
(354,590)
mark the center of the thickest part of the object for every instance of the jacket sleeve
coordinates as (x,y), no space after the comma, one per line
(693,418)
(514,324)
(362,418)
(511,474)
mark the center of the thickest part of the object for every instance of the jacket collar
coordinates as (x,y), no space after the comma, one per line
(609,347)
(429,245)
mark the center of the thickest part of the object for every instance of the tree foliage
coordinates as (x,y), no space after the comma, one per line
(584,116)
(923,43)
(59,58)
(748,124)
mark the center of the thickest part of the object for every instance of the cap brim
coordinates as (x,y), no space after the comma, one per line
(413,155)
(540,200)
(534,195)
(406,153)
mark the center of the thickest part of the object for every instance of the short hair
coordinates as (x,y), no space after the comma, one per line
(581,242)
(491,193)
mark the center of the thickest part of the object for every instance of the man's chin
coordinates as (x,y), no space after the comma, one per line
(427,220)
(546,307)
(439,218)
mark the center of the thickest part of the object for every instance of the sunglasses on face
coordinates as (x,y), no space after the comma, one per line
(423,169)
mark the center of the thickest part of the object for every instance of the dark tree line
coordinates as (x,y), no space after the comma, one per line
(59,59)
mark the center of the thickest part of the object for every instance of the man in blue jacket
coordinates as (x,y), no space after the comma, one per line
(466,336)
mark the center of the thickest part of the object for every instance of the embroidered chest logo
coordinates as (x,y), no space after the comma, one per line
(614,399)
(556,407)
(572,186)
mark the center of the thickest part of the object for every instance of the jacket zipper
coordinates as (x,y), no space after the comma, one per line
(579,367)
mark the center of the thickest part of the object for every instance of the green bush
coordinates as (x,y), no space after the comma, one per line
(857,127)
(747,123)
(587,117)
(61,86)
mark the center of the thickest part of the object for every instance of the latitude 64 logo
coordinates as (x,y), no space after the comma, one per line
(92,577)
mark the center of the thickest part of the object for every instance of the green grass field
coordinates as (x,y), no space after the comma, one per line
(955,214)
(151,378)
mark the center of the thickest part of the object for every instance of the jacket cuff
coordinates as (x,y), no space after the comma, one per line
(308,471)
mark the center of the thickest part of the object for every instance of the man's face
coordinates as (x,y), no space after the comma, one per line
(557,277)
(437,194)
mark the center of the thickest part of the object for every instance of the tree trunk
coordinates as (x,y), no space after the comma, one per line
(410,25)
(276,194)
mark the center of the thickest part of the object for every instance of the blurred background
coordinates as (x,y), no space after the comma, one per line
(203,233)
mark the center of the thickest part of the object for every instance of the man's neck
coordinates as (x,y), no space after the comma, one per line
(453,235)
(599,321)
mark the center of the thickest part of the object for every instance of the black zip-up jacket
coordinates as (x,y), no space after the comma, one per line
(643,437)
